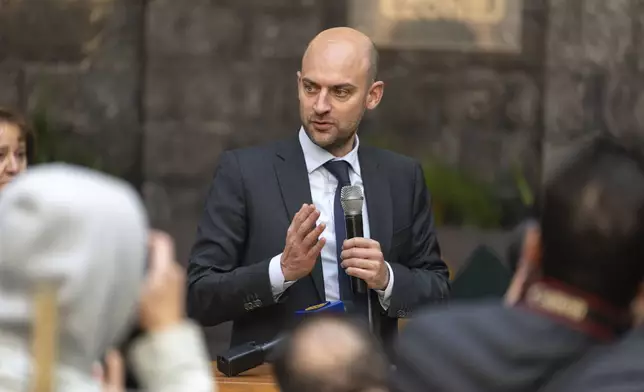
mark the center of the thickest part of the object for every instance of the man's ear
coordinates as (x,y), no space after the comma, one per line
(528,267)
(375,94)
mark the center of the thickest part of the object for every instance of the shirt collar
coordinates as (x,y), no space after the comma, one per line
(315,156)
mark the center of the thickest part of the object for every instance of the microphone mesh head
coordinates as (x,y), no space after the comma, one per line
(351,198)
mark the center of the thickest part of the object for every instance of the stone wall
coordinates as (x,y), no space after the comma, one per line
(81,62)
(594,73)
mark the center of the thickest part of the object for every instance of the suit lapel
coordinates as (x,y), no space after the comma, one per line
(293,180)
(378,199)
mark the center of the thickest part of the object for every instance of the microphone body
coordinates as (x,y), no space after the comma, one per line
(352,200)
(354,228)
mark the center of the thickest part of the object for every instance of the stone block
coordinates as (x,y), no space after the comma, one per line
(556,154)
(588,102)
(268,93)
(193,28)
(201,89)
(474,98)
(88,100)
(401,107)
(189,151)
(198,89)
(638,36)
(564,104)
(9,86)
(61,30)
(589,33)
(96,107)
(522,100)
(522,150)
(270,4)
(564,38)
(283,34)
(622,106)
(184,150)
(480,153)
(176,208)
(119,43)
(607,32)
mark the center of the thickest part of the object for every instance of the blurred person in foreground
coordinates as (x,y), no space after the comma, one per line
(87,232)
(272,239)
(331,354)
(614,368)
(581,268)
(17,144)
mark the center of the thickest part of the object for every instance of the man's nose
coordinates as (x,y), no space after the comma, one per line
(322,105)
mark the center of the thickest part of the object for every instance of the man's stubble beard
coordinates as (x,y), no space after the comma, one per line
(340,141)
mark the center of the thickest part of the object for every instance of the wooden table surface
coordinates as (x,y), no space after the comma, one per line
(259,379)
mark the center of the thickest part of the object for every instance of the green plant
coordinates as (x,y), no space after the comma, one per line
(53,144)
(458,198)
(523,187)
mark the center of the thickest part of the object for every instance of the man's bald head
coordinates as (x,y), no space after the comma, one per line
(331,354)
(353,40)
(336,85)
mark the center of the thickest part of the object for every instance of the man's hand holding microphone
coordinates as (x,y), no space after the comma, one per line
(361,257)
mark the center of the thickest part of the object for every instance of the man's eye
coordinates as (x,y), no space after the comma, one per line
(341,93)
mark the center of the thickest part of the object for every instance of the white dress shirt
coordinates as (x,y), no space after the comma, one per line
(323,185)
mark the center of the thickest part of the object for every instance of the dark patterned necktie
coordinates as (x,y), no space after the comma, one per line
(340,170)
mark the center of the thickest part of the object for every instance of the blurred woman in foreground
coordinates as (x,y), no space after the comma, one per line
(16,146)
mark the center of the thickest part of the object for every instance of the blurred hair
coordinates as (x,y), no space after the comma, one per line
(592,221)
(8,116)
(366,370)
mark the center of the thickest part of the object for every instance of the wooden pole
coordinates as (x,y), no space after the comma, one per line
(45,337)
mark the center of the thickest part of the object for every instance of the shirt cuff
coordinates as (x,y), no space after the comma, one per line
(385,295)
(278,284)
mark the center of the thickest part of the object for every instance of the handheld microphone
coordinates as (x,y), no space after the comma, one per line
(352,199)
(250,355)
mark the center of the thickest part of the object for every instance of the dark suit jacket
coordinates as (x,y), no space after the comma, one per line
(254,195)
(484,346)
(615,368)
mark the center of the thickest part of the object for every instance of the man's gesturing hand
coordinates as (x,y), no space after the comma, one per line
(362,258)
(302,243)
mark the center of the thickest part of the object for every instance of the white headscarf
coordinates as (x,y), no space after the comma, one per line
(86,231)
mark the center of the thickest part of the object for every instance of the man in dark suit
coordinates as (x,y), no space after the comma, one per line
(272,232)
(588,249)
